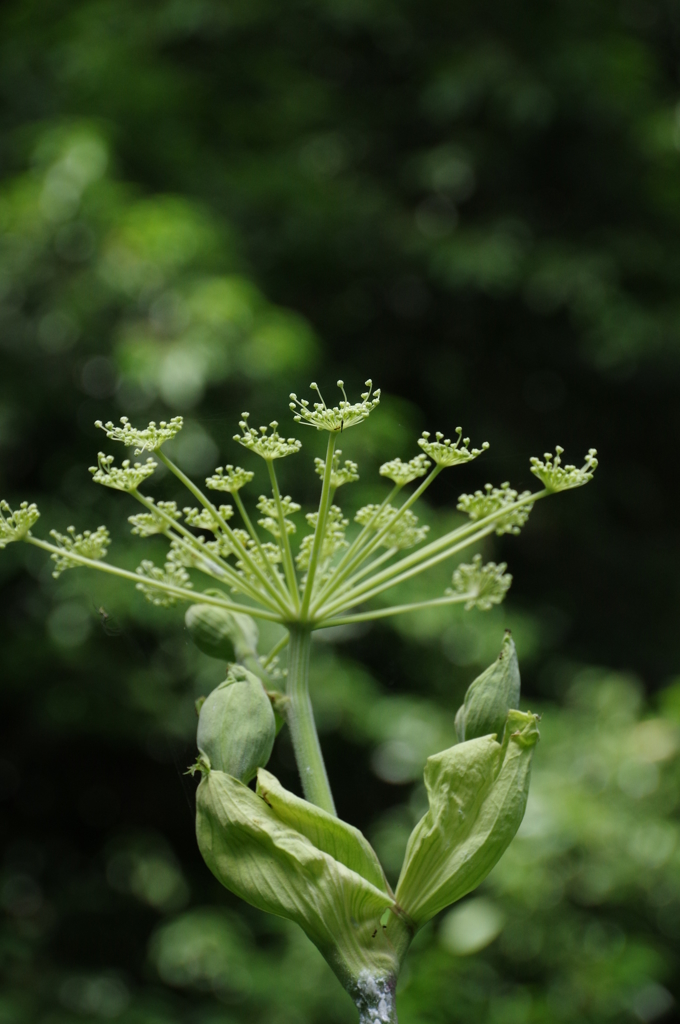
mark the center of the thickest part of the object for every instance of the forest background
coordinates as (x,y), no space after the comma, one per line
(206,204)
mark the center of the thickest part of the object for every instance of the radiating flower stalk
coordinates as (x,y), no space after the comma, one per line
(285,854)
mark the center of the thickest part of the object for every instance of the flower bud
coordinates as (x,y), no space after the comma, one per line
(491,696)
(236,725)
(228,636)
(477,793)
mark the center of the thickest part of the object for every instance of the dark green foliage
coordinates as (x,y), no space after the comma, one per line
(477,206)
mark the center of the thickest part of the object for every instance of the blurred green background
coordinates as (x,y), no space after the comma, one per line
(205,204)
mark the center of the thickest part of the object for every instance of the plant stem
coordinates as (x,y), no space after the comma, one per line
(239,548)
(256,539)
(344,566)
(288,563)
(301,723)
(375,999)
(422,559)
(176,531)
(324,504)
(397,609)
(283,642)
(180,592)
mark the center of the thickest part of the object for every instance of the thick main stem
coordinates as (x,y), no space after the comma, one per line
(300,718)
(375,1000)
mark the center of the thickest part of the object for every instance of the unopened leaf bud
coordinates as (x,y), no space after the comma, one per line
(228,636)
(236,726)
(491,696)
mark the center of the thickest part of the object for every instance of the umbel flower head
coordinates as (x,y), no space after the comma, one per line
(482,585)
(267,446)
(16,525)
(446,452)
(229,478)
(90,544)
(125,478)
(146,439)
(339,417)
(402,473)
(493,500)
(556,477)
(345,474)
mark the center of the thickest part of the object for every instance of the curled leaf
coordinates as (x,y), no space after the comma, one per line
(258,856)
(477,793)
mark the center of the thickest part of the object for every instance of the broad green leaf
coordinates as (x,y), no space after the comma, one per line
(260,858)
(341,841)
(477,793)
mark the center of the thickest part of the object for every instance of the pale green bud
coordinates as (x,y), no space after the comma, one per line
(491,696)
(477,793)
(228,636)
(236,725)
(290,858)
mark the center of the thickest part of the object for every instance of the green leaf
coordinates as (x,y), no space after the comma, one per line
(477,793)
(260,858)
(328,833)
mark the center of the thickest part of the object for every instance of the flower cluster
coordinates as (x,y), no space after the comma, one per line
(271,521)
(265,556)
(483,585)
(333,539)
(448,453)
(90,544)
(334,571)
(124,478)
(345,474)
(229,478)
(401,533)
(556,477)
(148,439)
(16,525)
(402,473)
(267,446)
(171,575)
(339,417)
(147,524)
(203,519)
(493,501)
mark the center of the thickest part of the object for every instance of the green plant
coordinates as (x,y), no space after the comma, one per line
(292,856)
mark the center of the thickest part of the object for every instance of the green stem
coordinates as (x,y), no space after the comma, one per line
(343,568)
(397,609)
(371,567)
(168,588)
(288,564)
(376,540)
(422,559)
(238,546)
(276,649)
(300,718)
(254,534)
(370,589)
(177,531)
(324,505)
